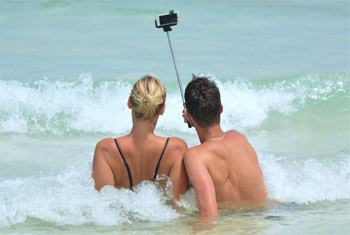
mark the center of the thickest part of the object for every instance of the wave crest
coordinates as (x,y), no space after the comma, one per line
(88,106)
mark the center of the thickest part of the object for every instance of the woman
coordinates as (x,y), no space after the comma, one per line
(141,155)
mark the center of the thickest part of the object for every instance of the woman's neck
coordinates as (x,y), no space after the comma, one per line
(142,129)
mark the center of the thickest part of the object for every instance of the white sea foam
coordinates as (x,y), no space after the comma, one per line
(88,106)
(307,181)
(69,197)
(63,106)
(249,107)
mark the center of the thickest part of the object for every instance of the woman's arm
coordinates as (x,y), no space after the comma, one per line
(179,179)
(101,171)
(178,174)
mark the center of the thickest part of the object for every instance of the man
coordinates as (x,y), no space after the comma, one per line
(224,168)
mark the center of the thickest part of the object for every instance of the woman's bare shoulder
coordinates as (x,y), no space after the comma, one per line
(105,143)
(177,143)
(176,148)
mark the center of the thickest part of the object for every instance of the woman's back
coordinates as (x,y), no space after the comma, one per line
(142,158)
(132,161)
(126,161)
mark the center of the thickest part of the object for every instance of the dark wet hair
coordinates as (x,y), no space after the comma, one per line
(203,101)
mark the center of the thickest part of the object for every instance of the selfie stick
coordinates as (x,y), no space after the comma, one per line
(177,73)
(166,29)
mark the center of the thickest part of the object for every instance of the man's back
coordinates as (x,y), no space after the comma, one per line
(224,167)
(232,167)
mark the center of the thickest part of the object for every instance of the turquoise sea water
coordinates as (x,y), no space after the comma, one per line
(66,69)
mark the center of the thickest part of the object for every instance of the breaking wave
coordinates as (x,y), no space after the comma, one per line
(89,106)
(69,197)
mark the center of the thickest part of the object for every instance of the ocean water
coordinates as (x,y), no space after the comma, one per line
(66,70)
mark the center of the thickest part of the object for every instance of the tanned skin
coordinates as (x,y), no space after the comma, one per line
(141,149)
(224,170)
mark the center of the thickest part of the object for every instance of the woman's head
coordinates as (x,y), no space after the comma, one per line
(147,97)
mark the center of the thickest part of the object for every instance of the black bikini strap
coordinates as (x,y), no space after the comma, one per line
(125,163)
(160,159)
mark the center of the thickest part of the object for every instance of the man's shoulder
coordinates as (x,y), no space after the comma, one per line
(238,138)
(240,144)
(195,153)
(236,134)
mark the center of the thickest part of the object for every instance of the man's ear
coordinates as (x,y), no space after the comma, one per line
(161,111)
(129,102)
(221,108)
(188,117)
(185,114)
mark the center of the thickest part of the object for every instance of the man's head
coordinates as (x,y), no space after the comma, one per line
(203,101)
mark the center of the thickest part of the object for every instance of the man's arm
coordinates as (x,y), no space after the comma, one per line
(203,185)
(101,171)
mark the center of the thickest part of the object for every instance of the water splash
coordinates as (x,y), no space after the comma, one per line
(88,106)
(69,197)
(307,181)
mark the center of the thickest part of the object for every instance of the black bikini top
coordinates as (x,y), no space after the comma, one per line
(128,168)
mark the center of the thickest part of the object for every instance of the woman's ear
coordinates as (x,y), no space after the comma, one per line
(162,109)
(129,102)
(221,109)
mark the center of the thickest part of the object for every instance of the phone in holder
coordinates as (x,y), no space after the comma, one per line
(165,21)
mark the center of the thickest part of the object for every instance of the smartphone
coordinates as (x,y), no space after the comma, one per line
(166,20)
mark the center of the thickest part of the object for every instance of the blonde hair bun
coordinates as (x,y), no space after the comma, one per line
(147,97)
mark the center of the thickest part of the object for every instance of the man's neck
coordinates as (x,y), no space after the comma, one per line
(213,132)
